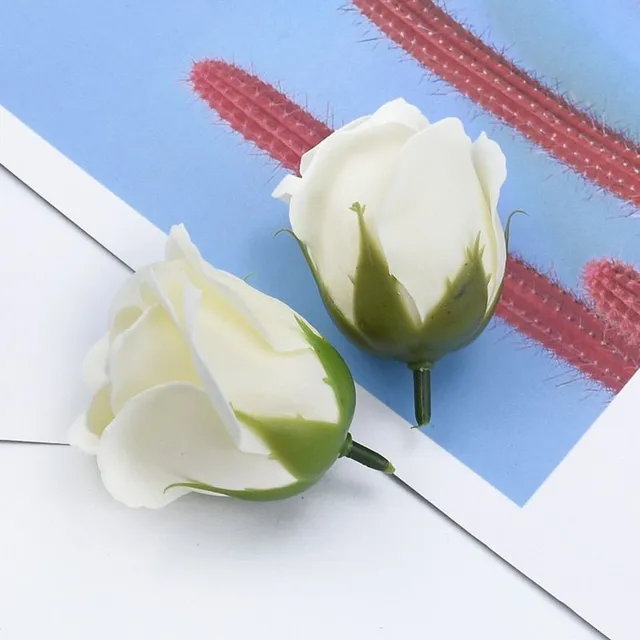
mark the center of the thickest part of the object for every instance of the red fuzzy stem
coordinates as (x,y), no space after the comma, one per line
(452,52)
(614,288)
(258,111)
(531,303)
(543,311)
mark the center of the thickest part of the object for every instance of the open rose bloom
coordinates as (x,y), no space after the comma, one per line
(398,219)
(205,384)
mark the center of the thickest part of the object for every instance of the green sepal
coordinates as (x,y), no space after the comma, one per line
(339,376)
(254,495)
(507,227)
(379,310)
(457,318)
(491,310)
(337,316)
(305,448)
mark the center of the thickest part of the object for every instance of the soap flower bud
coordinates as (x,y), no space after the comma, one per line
(398,221)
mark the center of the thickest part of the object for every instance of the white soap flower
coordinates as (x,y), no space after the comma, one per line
(206,384)
(398,219)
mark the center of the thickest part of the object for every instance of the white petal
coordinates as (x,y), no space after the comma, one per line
(244,439)
(151,352)
(274,320)
(124,318)
(501,260)
(399,110)
(434,211)
(269,317)
(129,297)
(184,318)
(224,342)
(307,158)
(86,431)
(168,291)
(137,295)
(172,434)
(147,287)
(350,126)
(491,168)
(287,187)
(82,438)
(351,166)
(180,247)
(94,366)
(256,379)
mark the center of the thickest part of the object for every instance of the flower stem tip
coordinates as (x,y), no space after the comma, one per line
(366,456)
(422,395)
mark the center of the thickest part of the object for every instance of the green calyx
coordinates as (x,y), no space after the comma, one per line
(382,317)
(383,324)
(306,448)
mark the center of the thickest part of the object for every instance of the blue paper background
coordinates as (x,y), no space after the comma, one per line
(105,83)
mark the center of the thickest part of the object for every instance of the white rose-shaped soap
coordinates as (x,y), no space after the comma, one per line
(205,384)
(398,219)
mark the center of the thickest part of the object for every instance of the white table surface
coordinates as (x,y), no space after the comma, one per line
(356,557)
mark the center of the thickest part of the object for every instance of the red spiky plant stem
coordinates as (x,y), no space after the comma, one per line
(449,50)
(561,322)
(614,288)
(257,111)
(531,303)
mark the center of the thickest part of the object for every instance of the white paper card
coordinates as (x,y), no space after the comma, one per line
(53,310)
(356,557)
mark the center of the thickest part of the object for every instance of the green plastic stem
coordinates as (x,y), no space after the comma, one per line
(366,456)
(422,395)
